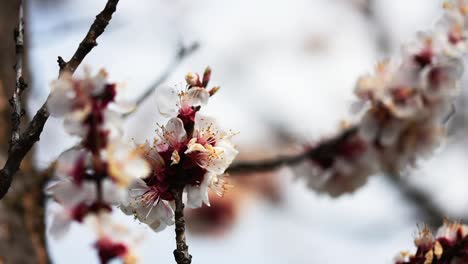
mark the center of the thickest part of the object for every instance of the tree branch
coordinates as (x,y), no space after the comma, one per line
(432,214)
(31,135)
(181,253)
(182,53)
(89,42)
(324,152)
(15,100)
(383,38)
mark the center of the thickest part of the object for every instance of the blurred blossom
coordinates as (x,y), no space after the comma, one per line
(94,176)
(405,105)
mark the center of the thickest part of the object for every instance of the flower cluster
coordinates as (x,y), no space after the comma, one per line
(450,245)
(190,153)
(94,176)
(404,107)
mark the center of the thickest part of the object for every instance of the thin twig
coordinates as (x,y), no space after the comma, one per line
(31,135)
(324,152)
(89,42)
(182,53)
(368,9)
(181,253)
(433,215)
(20,83)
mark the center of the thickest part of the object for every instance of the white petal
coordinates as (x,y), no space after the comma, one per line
(125,164)
(204,123)
(220,162)
(196,96)
(166,217)
(73,122)
(154,158)
(60,225)
(139,184)
(60,99)
(196,195)
(229,151)
(89,190)
(142,211)
(157,226)
(67,161)
(175,130)
(127,209)
(112,194)
(164,212)
(99,82)
(167,100)
(137,167)
(135,190)
(113,124)
(67,193)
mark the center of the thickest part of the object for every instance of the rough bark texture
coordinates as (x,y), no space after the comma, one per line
(181,253)
(22,238)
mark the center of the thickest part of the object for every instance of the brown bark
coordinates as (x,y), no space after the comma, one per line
(22,236)
(181,253)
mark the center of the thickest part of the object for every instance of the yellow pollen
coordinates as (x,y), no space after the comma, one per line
(438,250)
(429,257)
(175,157)
(130,259)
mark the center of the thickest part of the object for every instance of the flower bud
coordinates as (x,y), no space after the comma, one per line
(192,79)
(206,76)
(214,90)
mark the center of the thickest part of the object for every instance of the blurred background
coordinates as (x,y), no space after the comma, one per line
(287,69)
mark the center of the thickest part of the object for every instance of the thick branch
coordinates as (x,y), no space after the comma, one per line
(31,135)
(20,83)
(181,253)
(22,221)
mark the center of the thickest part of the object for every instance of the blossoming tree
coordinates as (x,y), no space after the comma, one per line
(401,115)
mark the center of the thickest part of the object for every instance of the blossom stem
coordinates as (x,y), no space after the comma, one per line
(181,253)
